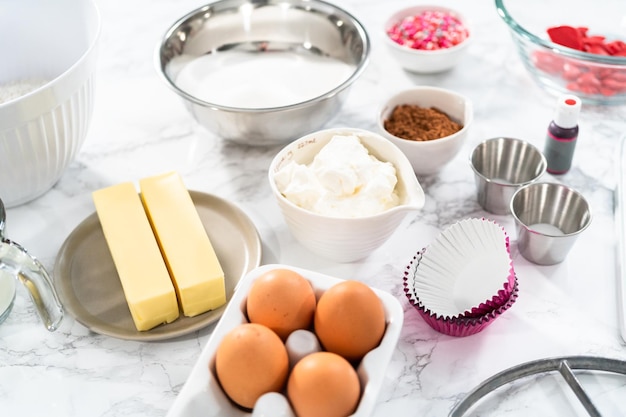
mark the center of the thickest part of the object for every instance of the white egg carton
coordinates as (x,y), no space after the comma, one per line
(201,396)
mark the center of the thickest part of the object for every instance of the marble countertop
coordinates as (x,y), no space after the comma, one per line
(141,128)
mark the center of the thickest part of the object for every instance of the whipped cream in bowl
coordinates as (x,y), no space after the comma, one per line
(344,191)
(343,180)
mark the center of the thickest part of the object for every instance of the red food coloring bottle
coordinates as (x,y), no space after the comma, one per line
(562,135)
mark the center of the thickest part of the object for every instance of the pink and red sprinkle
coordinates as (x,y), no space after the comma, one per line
(429,30)
(581,77)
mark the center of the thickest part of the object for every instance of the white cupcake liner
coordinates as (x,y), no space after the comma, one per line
(462,325)
(467,271)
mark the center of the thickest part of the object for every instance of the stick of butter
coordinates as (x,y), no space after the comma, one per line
(185,245)
(147,285)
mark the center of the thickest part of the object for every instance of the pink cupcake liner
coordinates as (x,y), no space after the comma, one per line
(461,325)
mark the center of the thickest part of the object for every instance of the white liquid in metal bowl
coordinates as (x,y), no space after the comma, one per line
(546,229)
(261,80)
(502,181)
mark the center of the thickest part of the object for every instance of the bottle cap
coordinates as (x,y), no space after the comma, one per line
(567,111)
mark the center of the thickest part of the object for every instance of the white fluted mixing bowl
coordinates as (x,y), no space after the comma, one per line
(49,46)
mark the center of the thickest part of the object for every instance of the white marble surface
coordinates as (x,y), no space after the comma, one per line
(141,128)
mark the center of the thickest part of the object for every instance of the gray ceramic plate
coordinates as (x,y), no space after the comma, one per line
(90,289)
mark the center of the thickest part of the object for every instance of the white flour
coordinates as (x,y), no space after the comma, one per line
(12,90)
(255,81)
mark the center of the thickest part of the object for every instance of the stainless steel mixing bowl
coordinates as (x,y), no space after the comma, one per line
(228,32)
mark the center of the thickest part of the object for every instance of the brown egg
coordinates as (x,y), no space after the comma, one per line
(323,384)
(250,361)
(350,319)
(282,300)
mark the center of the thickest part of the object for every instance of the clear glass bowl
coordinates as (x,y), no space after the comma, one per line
(596,79)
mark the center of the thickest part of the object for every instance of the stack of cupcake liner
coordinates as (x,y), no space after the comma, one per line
(465,279)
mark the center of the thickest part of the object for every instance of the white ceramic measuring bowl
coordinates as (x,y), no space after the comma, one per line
(338,238)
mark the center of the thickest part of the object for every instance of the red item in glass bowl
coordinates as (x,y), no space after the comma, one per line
(566,36)
(578,38)
(584,78)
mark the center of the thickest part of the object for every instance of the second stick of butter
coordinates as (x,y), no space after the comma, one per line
(190,257)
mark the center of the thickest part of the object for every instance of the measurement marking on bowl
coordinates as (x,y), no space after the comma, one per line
(7,294)
(261,80)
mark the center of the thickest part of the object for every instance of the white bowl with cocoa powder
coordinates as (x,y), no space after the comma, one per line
(429,125)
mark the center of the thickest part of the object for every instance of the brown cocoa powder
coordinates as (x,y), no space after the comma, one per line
(417,123)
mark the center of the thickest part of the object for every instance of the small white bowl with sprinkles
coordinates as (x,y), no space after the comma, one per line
(427,39)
